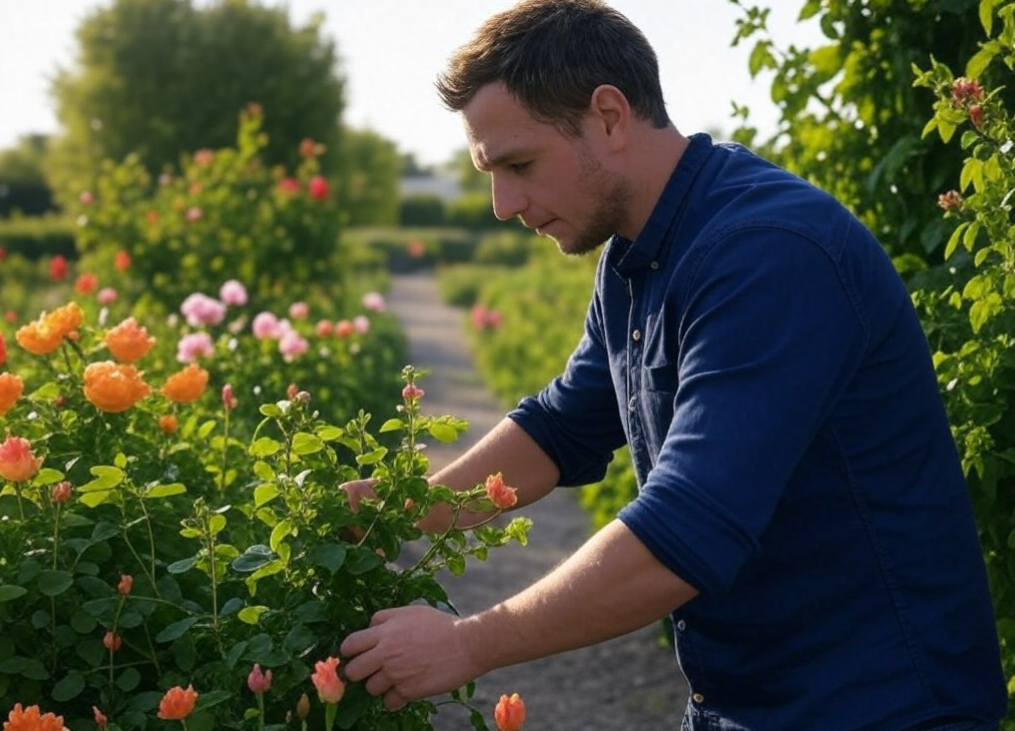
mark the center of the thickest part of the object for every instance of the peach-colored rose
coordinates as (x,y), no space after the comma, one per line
(128,341)
(17,463)
(186,386)
(11,387)
(502,496)
(112,641)
(38,338)
(60,493)
(126,584)
(65,319)
(177,703)
(509,713)
(330,687)
(32,719)
(114,387)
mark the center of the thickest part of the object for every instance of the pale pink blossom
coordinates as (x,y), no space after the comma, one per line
(200,309)
(299,310)
(233,293)
(361,324)
(323,328)
(266,326)
(292,345)
(344,328)
(106,296)
(194,346)
(194,214)
(374,301)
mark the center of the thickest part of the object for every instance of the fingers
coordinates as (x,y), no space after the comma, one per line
(393,701)
(362,663)
(357,490)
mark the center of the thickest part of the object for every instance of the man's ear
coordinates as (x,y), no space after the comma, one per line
(611,114)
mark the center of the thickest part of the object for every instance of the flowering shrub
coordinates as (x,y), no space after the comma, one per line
(969,305)
(164,553)
(225,214)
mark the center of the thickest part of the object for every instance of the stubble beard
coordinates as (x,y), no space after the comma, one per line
(609,199)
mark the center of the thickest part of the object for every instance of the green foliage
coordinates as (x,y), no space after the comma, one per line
(228,520)
(37,237)
(850,119)
(969,307)
(161,79)
(421,210)
(226,215)
(370,169)
(22,184)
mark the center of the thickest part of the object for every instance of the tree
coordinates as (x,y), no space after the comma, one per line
(370,169)
(851,120)
(163,79)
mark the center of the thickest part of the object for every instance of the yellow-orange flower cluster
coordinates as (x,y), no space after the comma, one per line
(32,719)
(128,341)
(114,387)
(45,334)
(11,387)
(186,386)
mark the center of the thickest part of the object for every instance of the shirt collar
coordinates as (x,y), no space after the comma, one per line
(626,257)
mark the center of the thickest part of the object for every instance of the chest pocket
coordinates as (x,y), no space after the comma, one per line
(659,381)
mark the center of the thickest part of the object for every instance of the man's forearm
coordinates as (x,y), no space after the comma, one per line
(612,585)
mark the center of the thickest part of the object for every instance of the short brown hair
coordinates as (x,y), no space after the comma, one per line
(551,55)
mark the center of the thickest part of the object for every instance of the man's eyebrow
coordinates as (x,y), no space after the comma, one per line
(485,164)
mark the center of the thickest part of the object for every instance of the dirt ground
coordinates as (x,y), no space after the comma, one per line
(631,683)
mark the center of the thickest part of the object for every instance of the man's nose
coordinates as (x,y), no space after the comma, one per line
(508,200)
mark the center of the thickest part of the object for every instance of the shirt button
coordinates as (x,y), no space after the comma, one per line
(631,404)
(681,625)
(654,265)
(698,698)
(636,335)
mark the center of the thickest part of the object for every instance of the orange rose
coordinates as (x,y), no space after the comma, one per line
(186,386)
(17,463)
(45,334)
(509,713)
(114,387)
(11,387)
(38,338)
(177,703)
(66,319)
(31,719)
(128,341)
(330,687)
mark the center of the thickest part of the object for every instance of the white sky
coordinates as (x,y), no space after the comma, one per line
(391,51)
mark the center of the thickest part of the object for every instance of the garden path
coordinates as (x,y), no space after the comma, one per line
(631,683)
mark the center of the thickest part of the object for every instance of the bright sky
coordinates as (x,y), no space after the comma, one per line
(391,51)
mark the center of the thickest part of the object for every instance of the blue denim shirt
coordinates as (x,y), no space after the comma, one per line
(756,350)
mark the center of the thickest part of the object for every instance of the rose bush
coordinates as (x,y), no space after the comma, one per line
(169,527)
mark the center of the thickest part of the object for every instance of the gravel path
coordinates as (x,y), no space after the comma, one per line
(631,683)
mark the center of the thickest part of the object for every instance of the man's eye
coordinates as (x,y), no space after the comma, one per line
(520,167)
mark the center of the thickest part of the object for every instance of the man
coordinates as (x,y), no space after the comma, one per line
(802,514)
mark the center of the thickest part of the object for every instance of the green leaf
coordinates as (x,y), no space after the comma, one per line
(176,630)
(47,476)
(251,615)
(264,471)
(182,566)
(330,556)
(391,425)
(330,433)
(281,531)
(11,591)
(265,447)
(980,60)
(265,493)
(304,443)
(443,432)
(106,477)
(213,698)
(253,558)
(69,687)
(456,564)
(35,670)
(987,16)
(954,239)
(372,457)
(128,680)
(216,524)
(205,429)
(361,561)
(175,488)
(54,583)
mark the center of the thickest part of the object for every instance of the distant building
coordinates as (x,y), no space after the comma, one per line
(444,187)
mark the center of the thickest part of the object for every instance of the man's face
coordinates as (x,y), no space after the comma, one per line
(556,184)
